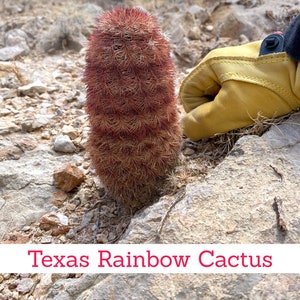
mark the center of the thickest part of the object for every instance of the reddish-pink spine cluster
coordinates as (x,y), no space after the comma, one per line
(135,134)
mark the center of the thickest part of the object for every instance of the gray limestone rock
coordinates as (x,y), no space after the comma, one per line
(25,285)
(11,52)
(64,144)
(7,127)
(232,205)
(237,196)
(36,87)
(15,45)
(26,187)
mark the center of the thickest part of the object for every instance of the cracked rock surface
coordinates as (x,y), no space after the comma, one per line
(27,186)
(231,205)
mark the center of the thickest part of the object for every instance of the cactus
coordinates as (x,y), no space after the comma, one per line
(135,134)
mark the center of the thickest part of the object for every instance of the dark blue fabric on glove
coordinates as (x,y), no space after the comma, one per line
(292,39)
(273,43)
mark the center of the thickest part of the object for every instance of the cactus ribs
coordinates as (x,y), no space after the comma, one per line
(135,133)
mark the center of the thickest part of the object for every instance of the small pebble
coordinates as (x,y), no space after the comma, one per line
(6,276)
(209,28)
(81,101)
(32,88)
(64,144)
(46,240)
(70,131)
(67,177)
(188,152)
(25,285)
(26,228)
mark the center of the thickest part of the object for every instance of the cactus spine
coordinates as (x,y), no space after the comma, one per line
(135,134)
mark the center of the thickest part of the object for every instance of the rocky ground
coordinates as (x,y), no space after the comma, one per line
(44,127)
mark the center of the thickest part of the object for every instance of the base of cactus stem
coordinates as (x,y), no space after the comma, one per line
(141,197)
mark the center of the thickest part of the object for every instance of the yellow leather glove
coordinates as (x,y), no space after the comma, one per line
(233,85)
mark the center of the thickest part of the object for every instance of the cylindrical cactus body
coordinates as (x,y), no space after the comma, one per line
(135,134)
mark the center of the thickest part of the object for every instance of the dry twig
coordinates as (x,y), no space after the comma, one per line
(277,206)
(277,173)
(11,67)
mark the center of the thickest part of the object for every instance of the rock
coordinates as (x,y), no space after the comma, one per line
(234,20)
(10,53)
(46,239)
(44,283)
(64,144)
(40,121)
(24,142)
(209,28)
(70,131)
(188,151)
(26,187)
(36,87)
(25,285)
(10,153)
(27,125)
(67,177)
(7,93)
(148,5)
(232,205)
(177,25)
(12,285)
(72,95)
(188,54)
(199,13)
(66,32)
(246,184)
(13,148)
(59,197)
(234,25)
(26,228)
(69,31)
(194,33)
(4,112)
(6,276)
(177,33)
(17,102)
(63,290)
(16,37)
(33,27)
(7,127)
(45,135)
(13,8)
(56,222)
(81,100)
(190,286)
(37,122)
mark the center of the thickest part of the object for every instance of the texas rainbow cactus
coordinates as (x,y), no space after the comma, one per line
(135,134)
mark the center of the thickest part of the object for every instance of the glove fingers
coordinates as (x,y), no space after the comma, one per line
(199,87)
(233,108)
